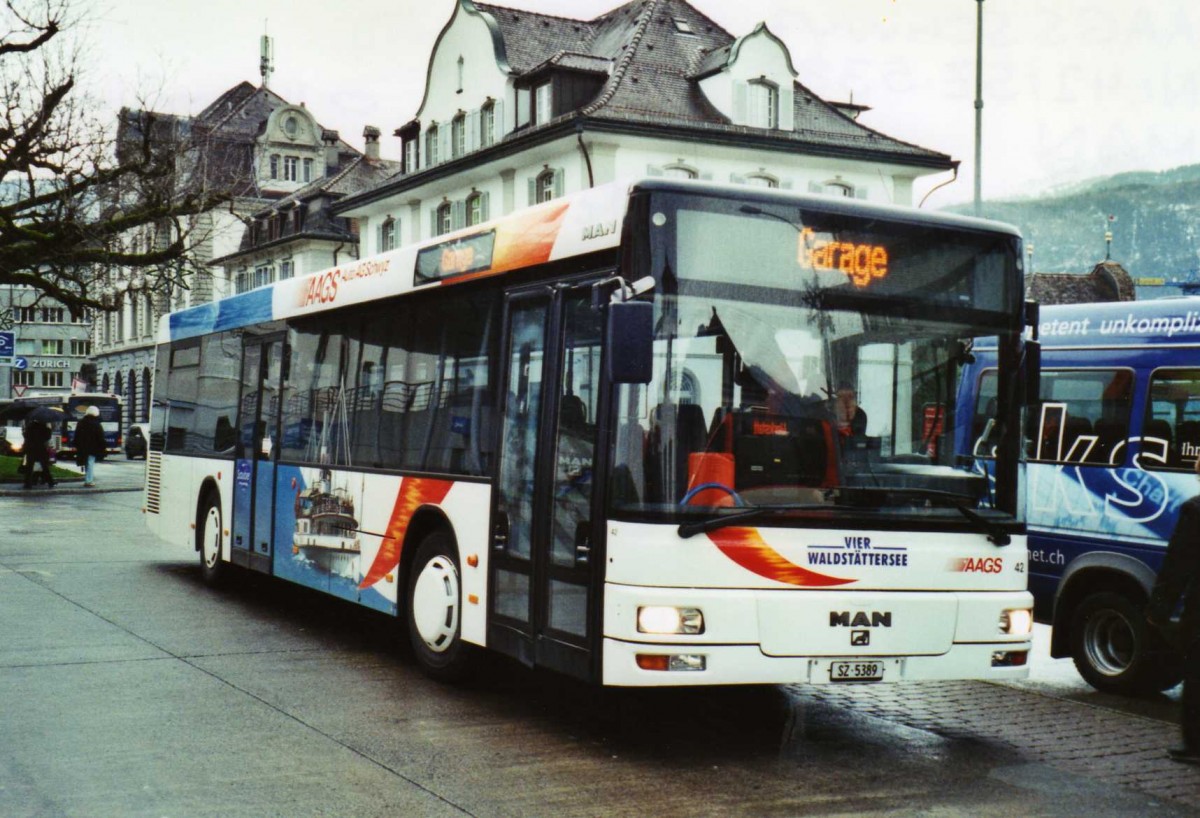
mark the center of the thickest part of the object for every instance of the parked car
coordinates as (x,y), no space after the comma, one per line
(136,441)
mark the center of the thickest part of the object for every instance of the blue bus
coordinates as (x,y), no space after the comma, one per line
(1111,448)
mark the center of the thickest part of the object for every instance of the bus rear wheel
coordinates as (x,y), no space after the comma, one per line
(434,608)
(1116,651)
(209,541)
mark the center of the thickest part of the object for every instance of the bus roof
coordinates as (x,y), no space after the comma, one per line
(1159,322)
(584,222)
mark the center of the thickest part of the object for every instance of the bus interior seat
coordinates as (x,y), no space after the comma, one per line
(1109,434)
(1075,428)
(629,472)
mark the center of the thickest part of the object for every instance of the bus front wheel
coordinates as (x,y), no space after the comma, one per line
(1116,651)
(209,539)
(434,608)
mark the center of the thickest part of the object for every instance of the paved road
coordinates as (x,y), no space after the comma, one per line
(127,688)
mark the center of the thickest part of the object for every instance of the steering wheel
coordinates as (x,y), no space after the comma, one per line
(737,498)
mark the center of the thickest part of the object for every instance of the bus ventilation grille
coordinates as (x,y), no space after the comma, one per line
(153,481)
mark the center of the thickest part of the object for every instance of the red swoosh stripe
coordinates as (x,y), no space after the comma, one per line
(746,547)
(414,493)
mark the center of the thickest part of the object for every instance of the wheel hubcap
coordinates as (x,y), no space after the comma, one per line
(211,539)
(1109,642)
(435,604)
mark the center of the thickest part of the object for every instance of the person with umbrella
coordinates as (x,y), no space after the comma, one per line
(37,444)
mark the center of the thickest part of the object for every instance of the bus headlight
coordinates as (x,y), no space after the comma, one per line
(1016,622)
(666,619)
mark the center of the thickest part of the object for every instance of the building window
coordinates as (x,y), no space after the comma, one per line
(761,180)
(22,377)
(476,208)
(458,135)
(242,284)
(286,269)
(274,166)
(52,346)
(25,315)
(79,347)
(683,27)
(410,156)
(81,318)
(545,186)
(149,313)
(52,315)
(487,124)
(431,146)
(764,104)
(289,168)
(679,172)
(308,167)
(387,235)
(52,378)
(837,188)
(444,222)
(541,104)
(262,275)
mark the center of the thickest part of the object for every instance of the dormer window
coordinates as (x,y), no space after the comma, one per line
(542,104)
(476,208)
(762,180)
(683,27)
(444,219)
(544,186)
(679,172)
(763,107)
(410,155)
(289,168)
(431,146)
(487,124)
(274,166)
(838,188)
(387,235)
(458,135)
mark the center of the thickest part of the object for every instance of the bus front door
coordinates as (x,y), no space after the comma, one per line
(254,470)
(542,576)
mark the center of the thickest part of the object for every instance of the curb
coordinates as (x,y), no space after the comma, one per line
(42,491)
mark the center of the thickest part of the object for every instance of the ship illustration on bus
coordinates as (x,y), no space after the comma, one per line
(326,527)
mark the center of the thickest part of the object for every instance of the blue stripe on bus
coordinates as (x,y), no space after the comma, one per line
(236,311)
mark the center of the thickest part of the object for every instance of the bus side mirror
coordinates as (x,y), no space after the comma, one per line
(628,335)
(1033,372)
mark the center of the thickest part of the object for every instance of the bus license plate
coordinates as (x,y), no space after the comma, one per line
(856,672)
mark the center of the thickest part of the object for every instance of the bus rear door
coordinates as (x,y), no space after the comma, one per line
(254,471)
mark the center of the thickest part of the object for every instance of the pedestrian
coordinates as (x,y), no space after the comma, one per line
(1179,577)
(37,452)
(89,444)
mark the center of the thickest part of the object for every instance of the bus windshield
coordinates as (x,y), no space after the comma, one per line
(808,364)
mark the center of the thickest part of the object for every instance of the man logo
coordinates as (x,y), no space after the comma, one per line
(860,639)
(860,619)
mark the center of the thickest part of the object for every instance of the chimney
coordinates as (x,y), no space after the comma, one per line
(371,138)
(330,140)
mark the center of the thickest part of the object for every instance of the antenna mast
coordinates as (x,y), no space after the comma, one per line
(266,61)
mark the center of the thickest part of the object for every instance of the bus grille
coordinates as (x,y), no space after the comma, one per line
(153,481)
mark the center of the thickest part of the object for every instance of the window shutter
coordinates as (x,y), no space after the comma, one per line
(458,215)
(484,211)
(740,103)
(654,170)
(379,238)
(444,139)
(498,123)
(737,179)
(787,113)
(433,222)
(815,187)
(559,182)
(473,130)
(532,190)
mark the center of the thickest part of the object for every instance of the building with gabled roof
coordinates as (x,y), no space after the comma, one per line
(1107,281)
(265,152)
(520,107)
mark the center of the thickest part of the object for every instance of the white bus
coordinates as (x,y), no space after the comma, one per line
(600,436)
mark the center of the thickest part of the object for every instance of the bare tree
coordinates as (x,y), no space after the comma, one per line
(74,188)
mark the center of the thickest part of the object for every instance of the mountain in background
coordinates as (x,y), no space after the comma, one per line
(1156,231)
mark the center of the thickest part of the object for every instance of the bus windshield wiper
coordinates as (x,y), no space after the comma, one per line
(995,532)
(686,530)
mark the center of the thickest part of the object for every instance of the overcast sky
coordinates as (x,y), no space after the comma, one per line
(1072,88)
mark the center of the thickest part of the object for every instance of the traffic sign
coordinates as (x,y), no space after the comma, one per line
(20,363)
(19,389)
(8,344)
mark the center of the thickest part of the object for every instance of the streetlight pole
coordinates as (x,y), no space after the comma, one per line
(978,102)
